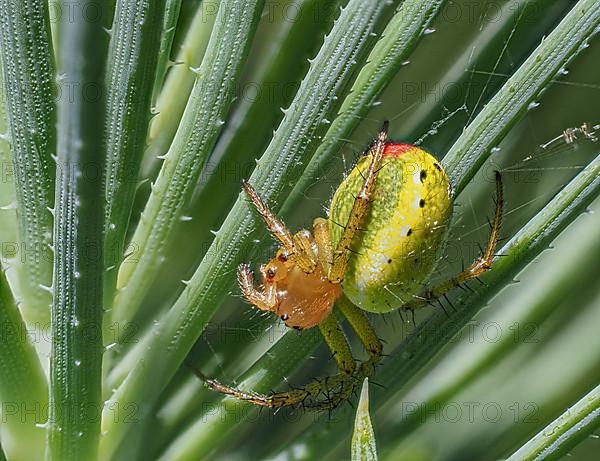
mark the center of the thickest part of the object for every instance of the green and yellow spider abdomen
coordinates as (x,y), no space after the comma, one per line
(403,232)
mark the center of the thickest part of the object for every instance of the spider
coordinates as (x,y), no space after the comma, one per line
(387,225)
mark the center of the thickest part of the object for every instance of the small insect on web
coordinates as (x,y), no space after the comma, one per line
(395,207)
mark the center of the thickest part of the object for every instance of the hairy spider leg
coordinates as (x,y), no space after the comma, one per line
(481,265)
(364,330)
(339,388)
(359,209)
(297,246)
(321,393)
(323,241)
(338,344)
(308,395)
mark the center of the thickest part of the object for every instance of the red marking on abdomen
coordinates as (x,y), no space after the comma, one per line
(395,150)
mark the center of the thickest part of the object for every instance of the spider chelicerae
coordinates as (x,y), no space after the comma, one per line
(386,228)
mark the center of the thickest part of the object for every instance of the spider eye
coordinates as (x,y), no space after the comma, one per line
(283,257)
(270,273)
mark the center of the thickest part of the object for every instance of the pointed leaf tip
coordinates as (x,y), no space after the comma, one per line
(363,439)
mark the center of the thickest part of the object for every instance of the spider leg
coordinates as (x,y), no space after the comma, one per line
(340,388)
(321,393)
(318,394)
(307,397)
(359,208)
(252,397)
(338,344)
(481,265)
(323,241)
(296,245)
(265,300)
(365,332)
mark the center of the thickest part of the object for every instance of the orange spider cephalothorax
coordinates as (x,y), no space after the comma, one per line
(301,299)
(304,299)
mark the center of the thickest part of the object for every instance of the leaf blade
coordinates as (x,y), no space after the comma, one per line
(28,73)
(565,432)
(130,74)
(23,385)
(73,428)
